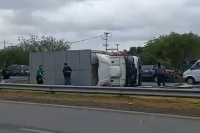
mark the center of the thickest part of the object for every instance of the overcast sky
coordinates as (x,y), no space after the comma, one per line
(131,22)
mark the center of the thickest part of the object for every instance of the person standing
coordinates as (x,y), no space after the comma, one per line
(133,75)
(40,75)
(67,74)
(5,75)
(160,74)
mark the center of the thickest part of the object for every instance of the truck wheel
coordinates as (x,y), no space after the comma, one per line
(190,80)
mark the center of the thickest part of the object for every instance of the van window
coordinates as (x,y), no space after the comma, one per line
(196,66)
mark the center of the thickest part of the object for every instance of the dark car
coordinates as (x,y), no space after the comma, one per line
(148,72)
(18,70)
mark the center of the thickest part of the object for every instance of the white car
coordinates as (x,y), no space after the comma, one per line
(192,75)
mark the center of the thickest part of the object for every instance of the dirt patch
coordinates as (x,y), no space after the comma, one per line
(165,105)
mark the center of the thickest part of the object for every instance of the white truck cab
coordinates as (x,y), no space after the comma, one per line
(192,75)
(115,70)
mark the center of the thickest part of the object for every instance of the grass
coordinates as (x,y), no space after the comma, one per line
(169,105)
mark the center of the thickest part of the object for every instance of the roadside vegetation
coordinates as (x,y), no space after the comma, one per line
(171,50)
(19,54)
(164,105)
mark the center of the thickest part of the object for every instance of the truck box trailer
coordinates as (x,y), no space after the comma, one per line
(89,68)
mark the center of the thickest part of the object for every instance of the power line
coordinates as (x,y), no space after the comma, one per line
(104,37)
(4,42)
(9,43)
(86,39)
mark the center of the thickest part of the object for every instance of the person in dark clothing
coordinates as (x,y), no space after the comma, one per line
(67,74)
(160,74)
(40,75)
(133,75)
(5,75)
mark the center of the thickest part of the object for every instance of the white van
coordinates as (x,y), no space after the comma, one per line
(192,75)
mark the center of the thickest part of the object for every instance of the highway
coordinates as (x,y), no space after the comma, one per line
(33,118)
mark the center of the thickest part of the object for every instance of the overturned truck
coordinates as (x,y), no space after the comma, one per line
(89,68)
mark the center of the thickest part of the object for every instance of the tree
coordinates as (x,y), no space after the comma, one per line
(174,47)
(34,44)
(136,51)
(19,54)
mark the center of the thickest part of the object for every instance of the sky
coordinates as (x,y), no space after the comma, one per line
(130,22)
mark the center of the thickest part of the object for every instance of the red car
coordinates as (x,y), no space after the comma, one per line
(169,73)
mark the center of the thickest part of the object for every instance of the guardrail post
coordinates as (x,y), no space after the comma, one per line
(121,95)
(28,79)
(51,91)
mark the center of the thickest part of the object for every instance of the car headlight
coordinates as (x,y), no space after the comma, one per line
(184,75)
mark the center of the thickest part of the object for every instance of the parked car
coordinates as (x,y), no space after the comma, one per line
(192,75)
(18,70)
(27,72)
(169,72)
(148,72)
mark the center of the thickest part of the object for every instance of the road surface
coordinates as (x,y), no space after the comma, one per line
(30,118)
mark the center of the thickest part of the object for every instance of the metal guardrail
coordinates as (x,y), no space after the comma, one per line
(142,91)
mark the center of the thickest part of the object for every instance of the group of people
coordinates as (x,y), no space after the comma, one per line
(66,73)
(159,73)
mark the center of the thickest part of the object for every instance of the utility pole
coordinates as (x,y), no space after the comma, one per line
(106,38)
(117,47)
(4,42)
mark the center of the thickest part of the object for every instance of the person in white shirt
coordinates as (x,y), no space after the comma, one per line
(160,74)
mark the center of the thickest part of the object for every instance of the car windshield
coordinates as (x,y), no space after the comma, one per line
(147,67)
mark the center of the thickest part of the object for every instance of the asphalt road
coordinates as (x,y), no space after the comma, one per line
(26,118)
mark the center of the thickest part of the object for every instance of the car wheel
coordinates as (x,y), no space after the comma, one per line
(190,80)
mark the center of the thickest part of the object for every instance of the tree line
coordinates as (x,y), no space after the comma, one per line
(19,54)
(172,50)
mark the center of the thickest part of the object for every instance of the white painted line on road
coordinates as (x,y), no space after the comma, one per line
(102,109)
(33,130)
